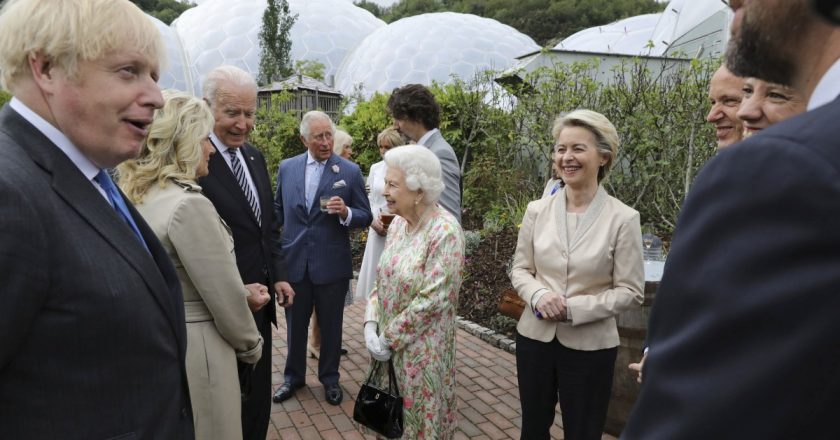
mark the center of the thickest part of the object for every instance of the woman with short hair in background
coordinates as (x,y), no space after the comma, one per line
(387,139)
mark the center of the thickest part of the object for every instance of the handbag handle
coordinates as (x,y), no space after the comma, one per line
(392,376)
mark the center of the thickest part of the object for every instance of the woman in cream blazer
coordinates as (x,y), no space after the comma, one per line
(578,263)
(220,328)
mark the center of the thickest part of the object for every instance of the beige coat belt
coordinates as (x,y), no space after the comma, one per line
(196,311)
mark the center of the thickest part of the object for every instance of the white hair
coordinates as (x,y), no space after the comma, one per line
(222,74)
(311,116)
(421,168)
(341,140)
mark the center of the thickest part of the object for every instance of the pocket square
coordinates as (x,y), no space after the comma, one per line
(340,184)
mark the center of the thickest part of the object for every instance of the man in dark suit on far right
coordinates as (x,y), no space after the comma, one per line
(745,334)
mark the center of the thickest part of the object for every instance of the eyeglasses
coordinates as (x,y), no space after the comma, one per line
(323,136)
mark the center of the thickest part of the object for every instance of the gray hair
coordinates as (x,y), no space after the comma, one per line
(222,74)
(421,168)
(311,116)
(341,140)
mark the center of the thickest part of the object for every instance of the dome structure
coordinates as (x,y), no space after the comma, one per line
(629,36)
(688,27)
(218,32)
(430,47)
(176,72)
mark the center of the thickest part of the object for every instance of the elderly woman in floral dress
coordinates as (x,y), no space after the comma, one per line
(410,315)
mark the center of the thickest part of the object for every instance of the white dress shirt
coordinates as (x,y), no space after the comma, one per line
(223,150)
(309,174)
(827,89)
(88,168)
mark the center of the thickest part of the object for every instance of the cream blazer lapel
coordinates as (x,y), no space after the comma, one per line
(589,218)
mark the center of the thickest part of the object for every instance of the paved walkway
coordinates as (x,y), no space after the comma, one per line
(488,398)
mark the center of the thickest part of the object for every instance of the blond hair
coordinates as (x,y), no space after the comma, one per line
(392,136)
(341,140)
(172,149)
(606,136)
(70,31)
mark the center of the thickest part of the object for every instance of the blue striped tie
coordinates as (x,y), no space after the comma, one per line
(117,202)
(239,173)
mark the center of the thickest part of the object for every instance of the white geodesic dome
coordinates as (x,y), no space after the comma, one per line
(430,47)
(176,73)
(683,24)
(218,32)
(628,36)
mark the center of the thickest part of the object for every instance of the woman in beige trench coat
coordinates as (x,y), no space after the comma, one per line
(161,182)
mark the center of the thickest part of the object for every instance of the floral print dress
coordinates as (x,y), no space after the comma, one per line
(414,302)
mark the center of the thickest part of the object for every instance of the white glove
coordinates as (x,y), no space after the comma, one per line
(384,351)
(378,350)
(371,338)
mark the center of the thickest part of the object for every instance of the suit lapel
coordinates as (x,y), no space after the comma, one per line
(589,217)
(262,185)
(80,194)
(219,169)
(325,184)
(560,213)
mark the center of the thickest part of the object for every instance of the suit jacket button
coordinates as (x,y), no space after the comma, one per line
(184,412)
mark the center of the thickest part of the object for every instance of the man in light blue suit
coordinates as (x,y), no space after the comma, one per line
(317,247)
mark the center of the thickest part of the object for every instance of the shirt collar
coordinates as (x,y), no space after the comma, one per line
(218,143)
(425,137)
(88,168)
(828,88)
(310,159)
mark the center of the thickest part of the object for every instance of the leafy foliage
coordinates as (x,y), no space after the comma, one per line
(310,68)
(164,10)
(276,133)
(365,123)
(275,42)
(4,97)
(504,143)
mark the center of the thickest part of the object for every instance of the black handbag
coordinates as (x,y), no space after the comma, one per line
(379,409)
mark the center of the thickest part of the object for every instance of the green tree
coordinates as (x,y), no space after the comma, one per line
(164,10)
(371,7)
(310,68)
(275,43)
(276,134)
(4,97)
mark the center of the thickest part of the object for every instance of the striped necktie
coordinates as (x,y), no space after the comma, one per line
(117,202)
(239,173)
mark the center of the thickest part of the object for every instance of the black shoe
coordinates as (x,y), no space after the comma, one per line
(284,392)
(333,394)
(343,351)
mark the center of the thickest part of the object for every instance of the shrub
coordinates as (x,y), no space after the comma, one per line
(276,134)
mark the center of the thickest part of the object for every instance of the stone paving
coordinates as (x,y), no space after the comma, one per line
(488,398)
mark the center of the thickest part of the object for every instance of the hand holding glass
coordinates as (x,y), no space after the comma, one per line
(324,200)
(385,217)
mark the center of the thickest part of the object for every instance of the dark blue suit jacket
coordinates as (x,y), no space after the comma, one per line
(92,333)
(313,238)
(745,330)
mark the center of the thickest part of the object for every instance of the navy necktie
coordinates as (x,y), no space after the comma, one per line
(239,173)
(117,202)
